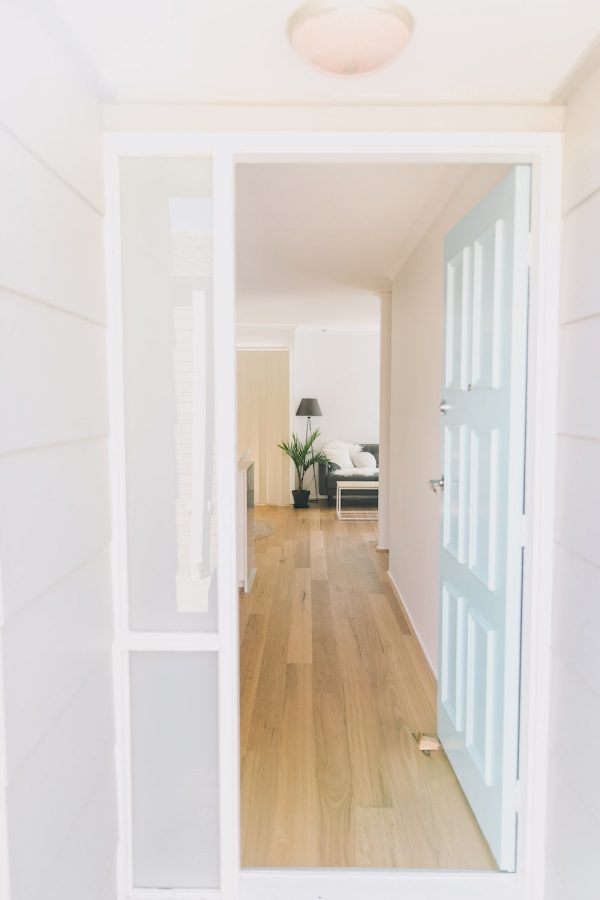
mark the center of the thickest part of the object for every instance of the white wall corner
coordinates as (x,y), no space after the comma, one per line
(431,664)
(385,394)
(4,854)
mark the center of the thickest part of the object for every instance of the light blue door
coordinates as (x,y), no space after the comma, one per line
(483,439)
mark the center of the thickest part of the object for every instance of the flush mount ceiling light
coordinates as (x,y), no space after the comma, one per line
(350,37)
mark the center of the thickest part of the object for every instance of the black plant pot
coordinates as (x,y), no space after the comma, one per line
(301,499)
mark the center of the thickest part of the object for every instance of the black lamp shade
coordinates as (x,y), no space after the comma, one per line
(309,406)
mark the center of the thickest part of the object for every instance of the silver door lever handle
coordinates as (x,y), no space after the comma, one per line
(435,483)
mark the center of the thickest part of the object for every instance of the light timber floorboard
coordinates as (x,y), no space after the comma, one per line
(332,686)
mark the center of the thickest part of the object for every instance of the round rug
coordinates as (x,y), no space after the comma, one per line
(262,530)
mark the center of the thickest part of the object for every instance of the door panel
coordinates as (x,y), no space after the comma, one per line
(481,693)
(454,495)
(457,297)
(452,689)
(483,510)
(487,293)
(483,434)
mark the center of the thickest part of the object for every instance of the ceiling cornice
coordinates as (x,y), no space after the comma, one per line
(361,116)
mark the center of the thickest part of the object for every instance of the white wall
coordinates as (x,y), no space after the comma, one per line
(54,501)
(385,398)
(340,369)
(415,449)
(573,837)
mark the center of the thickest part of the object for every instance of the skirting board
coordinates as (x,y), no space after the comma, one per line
(251,578)
(411,624)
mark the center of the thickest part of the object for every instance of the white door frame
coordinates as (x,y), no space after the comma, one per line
(544,152)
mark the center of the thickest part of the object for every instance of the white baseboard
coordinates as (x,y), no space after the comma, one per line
(411,623)
(248,588)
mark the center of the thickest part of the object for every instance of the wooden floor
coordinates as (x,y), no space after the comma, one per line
(332,686)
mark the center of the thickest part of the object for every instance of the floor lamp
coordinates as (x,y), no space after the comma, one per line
(309,407)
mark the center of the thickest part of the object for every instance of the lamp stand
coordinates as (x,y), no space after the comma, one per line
(308,434)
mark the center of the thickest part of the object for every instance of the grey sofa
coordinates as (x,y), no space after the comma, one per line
(328,479)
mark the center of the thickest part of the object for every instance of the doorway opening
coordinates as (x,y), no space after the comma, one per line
(219,644)
(339,630)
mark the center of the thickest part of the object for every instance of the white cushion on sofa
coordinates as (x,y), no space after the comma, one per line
(349,471)
(363,459)
(340,456)
(350,446)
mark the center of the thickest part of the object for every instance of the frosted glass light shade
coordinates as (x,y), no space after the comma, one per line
(350,37)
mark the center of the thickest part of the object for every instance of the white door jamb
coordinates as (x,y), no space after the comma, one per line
(543,152)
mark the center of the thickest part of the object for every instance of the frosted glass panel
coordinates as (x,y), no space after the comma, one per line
(168,362)
(174,770)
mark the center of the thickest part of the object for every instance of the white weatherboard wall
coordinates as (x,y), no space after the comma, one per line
(415,441)
(340,369)
(573,835)
(56,628)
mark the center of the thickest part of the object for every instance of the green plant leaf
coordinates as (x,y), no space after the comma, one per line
(302,454)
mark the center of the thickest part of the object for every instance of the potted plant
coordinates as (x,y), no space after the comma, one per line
(303,455)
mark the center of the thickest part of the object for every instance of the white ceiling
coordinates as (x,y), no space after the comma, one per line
(317,243)
(462,51)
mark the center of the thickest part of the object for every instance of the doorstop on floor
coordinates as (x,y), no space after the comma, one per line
(426,742)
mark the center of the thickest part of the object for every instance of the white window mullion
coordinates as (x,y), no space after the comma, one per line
(225,413)
(180,641)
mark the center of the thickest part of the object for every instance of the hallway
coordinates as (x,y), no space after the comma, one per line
(333,684)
